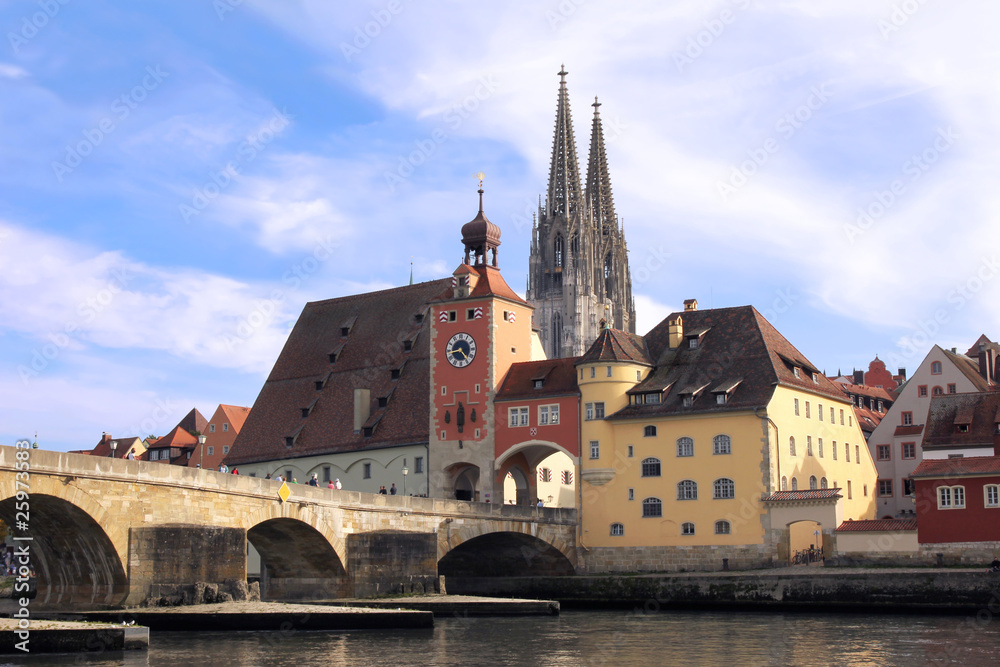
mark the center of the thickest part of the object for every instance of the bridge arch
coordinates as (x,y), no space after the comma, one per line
(535,450)
(78,554)
(504,548)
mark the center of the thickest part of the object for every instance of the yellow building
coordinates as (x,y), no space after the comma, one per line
(713,438)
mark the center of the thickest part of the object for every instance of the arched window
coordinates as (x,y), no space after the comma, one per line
(724,488)
(617,530)
(795,484)
(687,528)
(649,432)
(937,391)
(823,484)
(722,444)
(609,273)
(557,333)
(685,447)
(722,528)
(784,483)
(687,489)
(791,445)
(651,467)
(812,482)
(558,247)
(652,507)
(574,248)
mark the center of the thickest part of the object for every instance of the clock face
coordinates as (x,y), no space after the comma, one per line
(461,350)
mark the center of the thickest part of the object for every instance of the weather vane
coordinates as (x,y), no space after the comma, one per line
(480,175)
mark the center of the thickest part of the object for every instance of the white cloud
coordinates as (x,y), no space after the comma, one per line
(8,71)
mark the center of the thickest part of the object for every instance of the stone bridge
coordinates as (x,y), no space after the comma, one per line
(108,532)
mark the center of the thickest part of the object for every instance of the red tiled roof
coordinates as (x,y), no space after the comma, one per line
(491,282)
(972,465)
(617,345)
(194,421)
(236,415)
(969,368)
(909,430)
(558,379)
(867,525)
(370,351)
(103,447)
(808,494)
(977,411)
(865,390)
(178,437)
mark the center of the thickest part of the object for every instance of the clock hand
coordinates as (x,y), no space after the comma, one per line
(458,350)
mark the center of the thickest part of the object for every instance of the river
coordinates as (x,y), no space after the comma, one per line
(620,638)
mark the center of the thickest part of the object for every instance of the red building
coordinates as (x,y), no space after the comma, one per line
(958,500)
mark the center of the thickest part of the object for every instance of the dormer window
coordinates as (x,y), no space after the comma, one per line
(407,345)
(795,370)
(367,431)
(692,343)
(419,318)
(720,399)
(289,441)
(383,401)
(344,331)
(963,428)
(394,374)
(688,401)
(538,384)
(815,378)
(333,357)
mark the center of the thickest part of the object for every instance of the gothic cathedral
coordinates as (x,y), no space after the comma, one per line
(578,273)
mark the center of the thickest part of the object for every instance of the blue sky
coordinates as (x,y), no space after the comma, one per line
(177,179)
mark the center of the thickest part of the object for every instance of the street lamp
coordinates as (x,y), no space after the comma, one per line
(406,471)
(114,446)
(201,456)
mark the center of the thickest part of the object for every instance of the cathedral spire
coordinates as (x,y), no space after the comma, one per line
(564,172)
(598,193)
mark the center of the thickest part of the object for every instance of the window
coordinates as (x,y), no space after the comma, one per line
(881,407)
(595,449)
(857,454)
(922,391)
(819,446)
(885,488)
(617,530)
(225,449)
(211,450)
(819,411)
(538,384)
(908,487)
(367,471)
(418,465)
(847,452)
(211,428)
(809,445)
(225,428)
(631,451)
(687,489)
(865,490)
(831,415)
(593,371)
(815,378)
(722,528)
(833,448)
(720,399)
(649,432)
(807,409)
(687,528)
(631,494)
(850,495)
(841,417)
(784,483)
(795,370)
(812,482)
(688,400)
(652,507)
(937,391)
(692,343)
(951,497)
(651,467)
(795,484)
(936,368)
(609,371)
(544,475)
(991,495)
(791,445)
(951,388)
(518,417)
(638,376)
(724,488)
(548,414)
(796,407)
(884,452)
(823,483)
(594,411)
(722,444)
(685,447)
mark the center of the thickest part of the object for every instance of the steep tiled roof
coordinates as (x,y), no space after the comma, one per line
(491,282)
(979,412)
(558,379)
(103,447)
(867,525)
(178,437)
(194,421)
(970,465)
(736,344)
(809,494)
(617,345)
(236,415)
(909,430)
(868,419)
(865,390)
(969,368)
(370,352)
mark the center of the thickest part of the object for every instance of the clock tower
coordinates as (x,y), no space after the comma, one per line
(478,328)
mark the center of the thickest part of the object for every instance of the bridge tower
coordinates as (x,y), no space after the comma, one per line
(479,327)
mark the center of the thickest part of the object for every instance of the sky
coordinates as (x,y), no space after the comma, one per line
(177,179)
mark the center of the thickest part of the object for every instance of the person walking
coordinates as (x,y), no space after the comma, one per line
(382,491)
(392,491)
(337,485)
(313,481)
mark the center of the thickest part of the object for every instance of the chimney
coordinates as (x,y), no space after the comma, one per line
(675,331)
(859,377)
(690,304)
(902,374)
(362,407)
(984,362)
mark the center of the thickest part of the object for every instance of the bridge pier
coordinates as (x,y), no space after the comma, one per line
(389,562)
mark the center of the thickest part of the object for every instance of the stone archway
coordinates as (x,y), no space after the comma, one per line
(516,486)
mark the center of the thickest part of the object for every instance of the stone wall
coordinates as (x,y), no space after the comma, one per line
(695,558)
(392,563)
(948,554)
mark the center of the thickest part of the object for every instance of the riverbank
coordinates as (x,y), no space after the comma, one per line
(46,636)
(456,605)
(888,590)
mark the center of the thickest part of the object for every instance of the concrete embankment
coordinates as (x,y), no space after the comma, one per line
(69,637)
(271,616)
(456,605)
(815,588)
